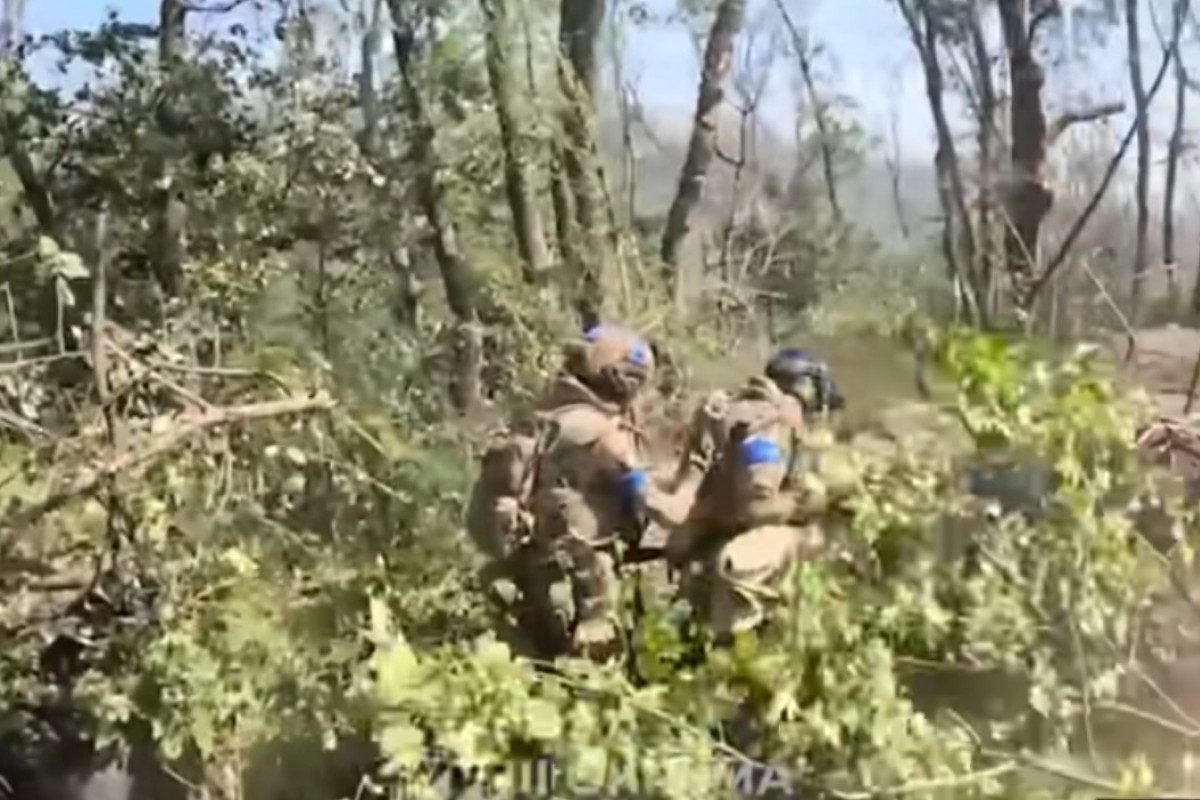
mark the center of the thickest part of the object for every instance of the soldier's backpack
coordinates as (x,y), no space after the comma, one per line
(497,514)
(500,514)
(758,456)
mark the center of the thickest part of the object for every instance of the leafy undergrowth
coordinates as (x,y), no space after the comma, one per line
(1035,610)
(305,577)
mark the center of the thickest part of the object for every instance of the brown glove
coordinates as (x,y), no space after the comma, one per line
(707,430)
(597,639)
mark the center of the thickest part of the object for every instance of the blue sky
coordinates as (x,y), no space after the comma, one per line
(868,57)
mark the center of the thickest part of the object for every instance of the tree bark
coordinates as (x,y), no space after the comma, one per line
(431,197)
(1141,230)
(893,160)
(368,99)
(10,23)
(718,60)
(988,105)
(1029,196)
(170,216)
(578,30)
(824,128)
(1174,151)
(958,240)
(527,223)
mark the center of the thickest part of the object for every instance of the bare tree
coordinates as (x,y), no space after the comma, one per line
(987,105)
(749,82)
(10,22)
(718,60)
(893,161)
(804,52)
(1174,152)
(958,239)
(625,112)
(1141,105)
(1078,226)
(1029,196)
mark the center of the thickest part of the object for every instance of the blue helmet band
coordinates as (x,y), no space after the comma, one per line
(758,450)
(639,352)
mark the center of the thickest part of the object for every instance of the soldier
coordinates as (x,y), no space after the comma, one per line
(741,533)
(551,504)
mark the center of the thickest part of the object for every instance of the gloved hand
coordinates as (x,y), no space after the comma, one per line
(706,434)
(515,522)
(596,639)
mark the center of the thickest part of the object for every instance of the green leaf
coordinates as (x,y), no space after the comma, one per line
(65,296)
(70,266)
(543,720)
(47,248)
(403,744)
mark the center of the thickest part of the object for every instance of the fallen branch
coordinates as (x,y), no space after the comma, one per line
(134,461)
(220,372)
(1191,392)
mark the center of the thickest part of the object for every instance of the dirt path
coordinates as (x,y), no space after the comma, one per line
(1162,364)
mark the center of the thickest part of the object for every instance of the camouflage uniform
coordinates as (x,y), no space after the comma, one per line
(743,533)
(588,488)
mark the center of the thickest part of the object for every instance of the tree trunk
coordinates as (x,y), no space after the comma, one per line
(718,60)
(1029,196)
(431,197)
(1133,42)
(10,23)
(958,241)
(988,106)
(405,304)
(578,30)
(527,223)
(1174,150)
(824,128)
(170,217)
(893,163)
(367,98)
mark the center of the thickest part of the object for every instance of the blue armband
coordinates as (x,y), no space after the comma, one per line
(633,483)
(760,450)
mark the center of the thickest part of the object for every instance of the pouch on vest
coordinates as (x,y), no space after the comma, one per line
(499,517)
(758,468)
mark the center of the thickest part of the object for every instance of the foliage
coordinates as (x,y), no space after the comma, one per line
(1046,603)
(231,508)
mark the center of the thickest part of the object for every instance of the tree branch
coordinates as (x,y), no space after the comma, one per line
(1049,11)
(134,461)
(1059,126)
(219,8)
(1068,242)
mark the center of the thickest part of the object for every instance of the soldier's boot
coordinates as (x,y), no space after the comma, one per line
(505,601)
(594,580)
(548,607)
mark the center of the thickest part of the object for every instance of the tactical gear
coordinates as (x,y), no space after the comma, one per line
(738,542)
(497,515)
(749,569)
(756,441)
(798,373)
(589,491)
(560,498)
(615,363)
